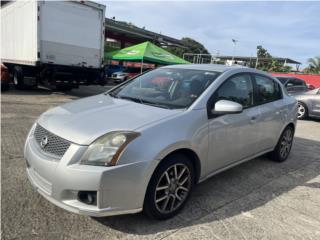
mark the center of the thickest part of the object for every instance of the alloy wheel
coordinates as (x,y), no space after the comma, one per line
(286,143)
(301,110)
(172,188)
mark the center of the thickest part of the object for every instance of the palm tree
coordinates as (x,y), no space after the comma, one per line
(314,65)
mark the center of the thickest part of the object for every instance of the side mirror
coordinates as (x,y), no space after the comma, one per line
(226,107)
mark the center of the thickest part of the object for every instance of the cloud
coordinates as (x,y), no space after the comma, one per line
(286,29)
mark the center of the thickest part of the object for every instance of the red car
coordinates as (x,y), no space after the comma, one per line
(5,78)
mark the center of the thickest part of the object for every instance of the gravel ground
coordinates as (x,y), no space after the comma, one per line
(259,199)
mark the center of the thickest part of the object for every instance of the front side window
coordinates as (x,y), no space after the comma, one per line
(166,87)
(237,89)
(267,90)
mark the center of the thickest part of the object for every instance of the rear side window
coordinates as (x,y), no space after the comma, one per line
(237,89)
(267,89)
(296,85)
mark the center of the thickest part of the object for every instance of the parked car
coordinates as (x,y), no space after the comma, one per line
(128,73)
(5,78)
(309,104)
(147,145)
(293,85)
(110,69)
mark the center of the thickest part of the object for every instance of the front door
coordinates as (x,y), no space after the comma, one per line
(232,137)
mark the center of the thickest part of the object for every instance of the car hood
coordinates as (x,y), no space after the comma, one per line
(85,120)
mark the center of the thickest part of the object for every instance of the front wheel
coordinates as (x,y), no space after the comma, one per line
(283,147)
(302,111)
(169,187)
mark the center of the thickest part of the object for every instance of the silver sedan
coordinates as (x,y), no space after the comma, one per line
(308,104)
(143,145)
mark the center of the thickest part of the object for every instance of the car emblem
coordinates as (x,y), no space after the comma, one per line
(44,142)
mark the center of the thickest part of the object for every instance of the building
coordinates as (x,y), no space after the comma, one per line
(121,34)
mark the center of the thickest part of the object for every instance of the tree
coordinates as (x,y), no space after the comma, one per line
(276,66)
(262,52)
(267,63)
(190,46)
(314,65)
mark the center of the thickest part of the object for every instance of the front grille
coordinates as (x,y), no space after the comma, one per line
(55,145)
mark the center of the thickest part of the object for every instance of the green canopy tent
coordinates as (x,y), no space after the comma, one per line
(145,52)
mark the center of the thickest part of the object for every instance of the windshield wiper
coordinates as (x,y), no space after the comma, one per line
(143,101)
(112,94)
(155,104)
(130,99)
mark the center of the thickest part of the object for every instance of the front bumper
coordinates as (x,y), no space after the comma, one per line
(120,189)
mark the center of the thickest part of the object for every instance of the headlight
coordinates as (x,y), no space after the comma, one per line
(106,150)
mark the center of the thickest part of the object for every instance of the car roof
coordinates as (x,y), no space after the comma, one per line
(205,67)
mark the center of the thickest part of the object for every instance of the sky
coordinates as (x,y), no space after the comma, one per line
(285,29)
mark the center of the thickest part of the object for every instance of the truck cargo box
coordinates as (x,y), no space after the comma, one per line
(53,32)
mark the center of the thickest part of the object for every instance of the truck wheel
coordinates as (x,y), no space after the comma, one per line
(18,78)
(5,86)
(64,87)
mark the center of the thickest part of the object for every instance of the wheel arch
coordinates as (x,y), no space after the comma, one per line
(191,155)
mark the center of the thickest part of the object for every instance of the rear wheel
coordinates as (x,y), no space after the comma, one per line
(18,81)
(302,111)
(64,87)
(169,187)
(283,148)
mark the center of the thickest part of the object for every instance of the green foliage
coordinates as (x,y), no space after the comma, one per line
(266,63)
(276,66)
(191,46)
(262,52)
(314,65)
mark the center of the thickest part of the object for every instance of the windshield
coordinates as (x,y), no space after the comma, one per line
(166,87)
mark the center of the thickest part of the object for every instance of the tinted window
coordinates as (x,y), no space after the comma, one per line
(267,89)
(283,80)
(296,85)
(238,89)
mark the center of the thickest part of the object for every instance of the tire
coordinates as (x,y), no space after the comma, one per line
(5,87)
(283,147)
(64,87)
(18,78)
(302,111)
(164,202)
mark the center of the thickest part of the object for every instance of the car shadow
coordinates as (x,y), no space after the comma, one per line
(82,91)
(240,189)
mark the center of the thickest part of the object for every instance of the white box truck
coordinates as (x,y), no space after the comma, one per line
(55,43)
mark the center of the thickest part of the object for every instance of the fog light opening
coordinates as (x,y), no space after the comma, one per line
(88,197)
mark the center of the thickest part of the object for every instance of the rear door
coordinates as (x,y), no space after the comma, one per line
(232,137)
(316,104)
(272,108)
